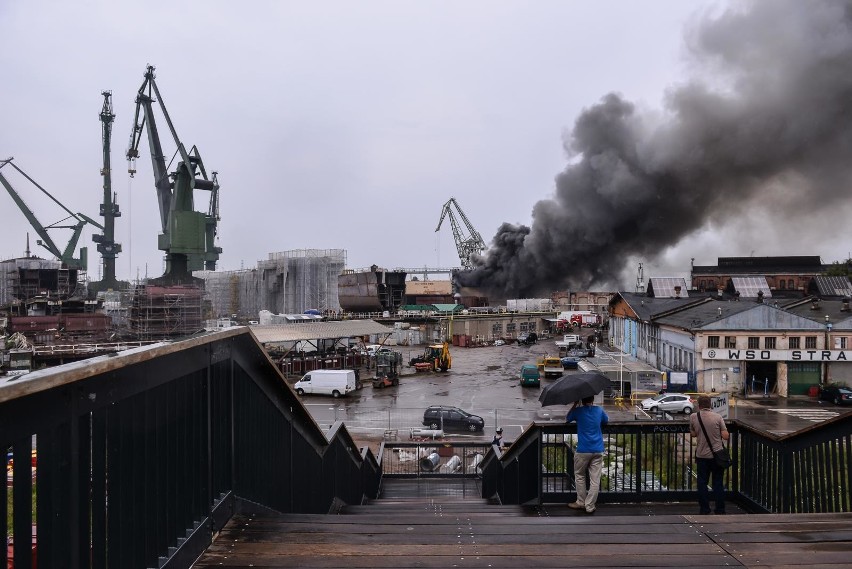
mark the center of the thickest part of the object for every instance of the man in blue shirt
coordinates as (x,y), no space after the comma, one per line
(589,452)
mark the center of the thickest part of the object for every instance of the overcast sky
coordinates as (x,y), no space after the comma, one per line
(340,125)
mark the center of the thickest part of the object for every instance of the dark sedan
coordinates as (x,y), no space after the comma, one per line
(837,394)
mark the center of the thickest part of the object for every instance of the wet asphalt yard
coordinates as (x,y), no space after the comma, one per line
(484,381)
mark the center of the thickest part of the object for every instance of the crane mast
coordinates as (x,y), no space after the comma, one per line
(187,236)
(467,238)
(107,246)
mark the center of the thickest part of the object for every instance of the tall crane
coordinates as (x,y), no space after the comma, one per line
(468,240)
(76,223)
(107,246)
(187,235)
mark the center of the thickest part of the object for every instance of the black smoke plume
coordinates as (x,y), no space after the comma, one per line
(774,132)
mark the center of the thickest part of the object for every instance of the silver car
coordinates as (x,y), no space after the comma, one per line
(670,403)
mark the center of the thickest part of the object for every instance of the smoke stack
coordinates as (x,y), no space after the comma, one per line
(815,304)
(677,291)
(719,293)
(844,307)
(760,297)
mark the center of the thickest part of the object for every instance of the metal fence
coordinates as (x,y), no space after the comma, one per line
(804,472)
(432,459)
(397,423)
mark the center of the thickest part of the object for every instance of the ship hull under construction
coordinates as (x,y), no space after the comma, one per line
(375,290)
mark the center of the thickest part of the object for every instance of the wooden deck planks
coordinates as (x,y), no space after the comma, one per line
(434,534)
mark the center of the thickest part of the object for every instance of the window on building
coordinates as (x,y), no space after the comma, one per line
(497,328)
(510,327)
(730,342)
(712,341)
(753,343)
(840,343)
(790,284)
(810,342)
(782,284)
(794,342)
(769,343)
(523,326)
(531,327)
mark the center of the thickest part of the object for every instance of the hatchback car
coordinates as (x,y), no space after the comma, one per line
(837,394)
(670,403)
(452,418)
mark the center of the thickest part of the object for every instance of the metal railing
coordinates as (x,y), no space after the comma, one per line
(141,457)
(805,472)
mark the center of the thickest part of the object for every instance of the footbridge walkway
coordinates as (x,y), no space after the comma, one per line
(197,453)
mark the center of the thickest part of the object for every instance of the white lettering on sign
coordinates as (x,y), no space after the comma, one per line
(778,355)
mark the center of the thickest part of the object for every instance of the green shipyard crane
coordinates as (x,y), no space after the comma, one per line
(187,236)
(107,246)
(467,244)
(77,221)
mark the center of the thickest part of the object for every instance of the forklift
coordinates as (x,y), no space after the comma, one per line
(387,365)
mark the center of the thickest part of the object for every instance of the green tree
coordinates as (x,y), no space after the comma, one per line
(840,269)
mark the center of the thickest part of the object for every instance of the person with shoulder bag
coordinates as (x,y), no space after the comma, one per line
(709,429)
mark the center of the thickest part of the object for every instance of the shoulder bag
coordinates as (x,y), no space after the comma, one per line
(721,457)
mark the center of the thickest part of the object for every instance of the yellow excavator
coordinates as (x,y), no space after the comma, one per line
(438,355)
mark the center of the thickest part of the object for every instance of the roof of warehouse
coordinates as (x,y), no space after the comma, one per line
(318,331)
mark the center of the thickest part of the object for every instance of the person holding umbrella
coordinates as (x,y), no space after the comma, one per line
(589,452)
(498,438)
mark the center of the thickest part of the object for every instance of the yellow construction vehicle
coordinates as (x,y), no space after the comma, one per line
(438,355)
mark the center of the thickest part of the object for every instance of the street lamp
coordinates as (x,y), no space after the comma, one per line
(828,326)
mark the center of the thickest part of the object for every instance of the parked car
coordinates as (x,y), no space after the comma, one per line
(527,338)
(452,418)
(837,394)
(670,403)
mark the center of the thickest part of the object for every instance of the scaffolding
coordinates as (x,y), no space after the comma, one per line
(162,312)
(287,282)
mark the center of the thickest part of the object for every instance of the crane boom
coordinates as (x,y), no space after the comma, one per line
(188,236)
(467,238)
(66,255)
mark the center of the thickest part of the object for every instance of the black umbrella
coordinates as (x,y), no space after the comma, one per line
(573,388)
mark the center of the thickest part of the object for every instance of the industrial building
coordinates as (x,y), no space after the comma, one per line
(743,337)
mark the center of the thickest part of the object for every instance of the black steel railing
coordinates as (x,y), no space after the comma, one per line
(805,472)
(141,457)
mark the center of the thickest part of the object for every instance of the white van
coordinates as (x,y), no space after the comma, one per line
(336,382)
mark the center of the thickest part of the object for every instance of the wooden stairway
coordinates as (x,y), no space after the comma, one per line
(452,531)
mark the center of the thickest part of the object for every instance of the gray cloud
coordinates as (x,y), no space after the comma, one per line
(774,130)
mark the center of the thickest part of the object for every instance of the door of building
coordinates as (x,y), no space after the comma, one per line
(801,376)
(761,378)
